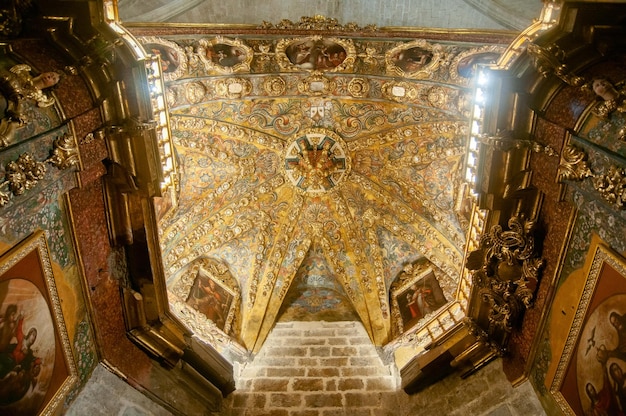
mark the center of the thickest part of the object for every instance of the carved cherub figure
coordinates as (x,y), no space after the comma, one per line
(611,97)
(17,86)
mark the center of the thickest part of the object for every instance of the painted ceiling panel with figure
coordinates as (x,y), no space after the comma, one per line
(316,185)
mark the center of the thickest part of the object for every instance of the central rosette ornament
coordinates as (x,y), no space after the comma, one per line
(316,161)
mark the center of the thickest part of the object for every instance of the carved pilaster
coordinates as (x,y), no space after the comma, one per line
(549,60)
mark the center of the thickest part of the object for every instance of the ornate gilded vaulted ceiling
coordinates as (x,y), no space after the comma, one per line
(314,172)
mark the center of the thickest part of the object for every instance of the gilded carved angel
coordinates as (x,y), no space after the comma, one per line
(17,86)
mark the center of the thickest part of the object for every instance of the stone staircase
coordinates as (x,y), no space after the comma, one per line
(315,369)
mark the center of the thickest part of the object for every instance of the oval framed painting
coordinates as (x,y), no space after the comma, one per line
(224,55)
(316,54)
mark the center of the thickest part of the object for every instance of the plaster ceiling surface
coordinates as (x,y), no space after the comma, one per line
(314,172)
(469,14)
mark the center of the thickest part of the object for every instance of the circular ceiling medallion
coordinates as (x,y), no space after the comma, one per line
(316,161)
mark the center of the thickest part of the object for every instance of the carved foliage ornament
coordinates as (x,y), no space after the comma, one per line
(612,186)
(573,165)
(506,271)
(24,173)
(317,22)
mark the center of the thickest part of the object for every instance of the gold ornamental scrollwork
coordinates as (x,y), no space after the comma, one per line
(317,22)
(316,85)
(573,165)
(232,88)
(274,86)
(358,87)
(505,270)
(399,91)
(64,152)
(612,186)
(173,59)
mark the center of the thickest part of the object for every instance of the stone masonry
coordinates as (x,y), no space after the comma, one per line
(315,369)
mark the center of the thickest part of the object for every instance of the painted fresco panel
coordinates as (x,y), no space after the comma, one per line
(36,365)
(590,377)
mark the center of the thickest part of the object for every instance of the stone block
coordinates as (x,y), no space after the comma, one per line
(270,384)
(350,384)
(285,371)
(380,384)
(364,371)
(323,372)
(319,333)
(337,341)
(362,399)
(319,351)
(323,400)
(330,385)
(307,384)
(285,400)
(308,362)
(334,362)
(343,351)
(286,352)
(245,400)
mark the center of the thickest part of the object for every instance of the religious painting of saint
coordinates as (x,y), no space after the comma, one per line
(591,378)
(211,298)
(223,55)
(173,58)
(36,368)
(415,59)
(316,54)
(416,295)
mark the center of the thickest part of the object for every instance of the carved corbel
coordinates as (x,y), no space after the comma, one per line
(505,275)
(573,165)
(549,60)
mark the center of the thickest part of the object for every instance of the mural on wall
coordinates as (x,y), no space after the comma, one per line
(172,56)
(590,376)
(416,59)
(36,366)
(225,55)
(316,53)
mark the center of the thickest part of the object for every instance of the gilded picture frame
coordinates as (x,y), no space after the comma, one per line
(206,292)
(415,294)
(316,54)
(417,59)
(593,359)
(36,364)
(225,56)
(173,58)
